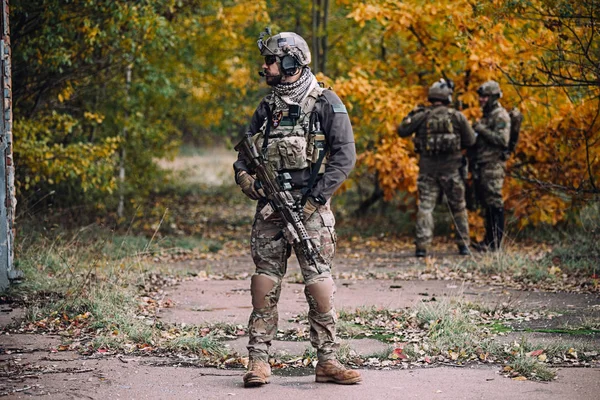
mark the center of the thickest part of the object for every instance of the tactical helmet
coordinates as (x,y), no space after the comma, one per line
(285,43)
(490,89)
(441,91)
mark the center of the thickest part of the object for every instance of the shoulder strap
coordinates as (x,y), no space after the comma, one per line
(313,176)
(308,105)
(311,99)
(265,142)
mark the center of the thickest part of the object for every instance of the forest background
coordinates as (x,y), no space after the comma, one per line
(104,89)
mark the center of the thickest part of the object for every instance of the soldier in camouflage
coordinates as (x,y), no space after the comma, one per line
(440,135)
(493,133)
(292,126)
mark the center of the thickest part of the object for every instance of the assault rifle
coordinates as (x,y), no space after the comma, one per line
(276,187)
(472,186)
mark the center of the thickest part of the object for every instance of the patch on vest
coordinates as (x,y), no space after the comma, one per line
(339,109)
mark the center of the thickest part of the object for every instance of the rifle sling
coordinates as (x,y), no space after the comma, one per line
(313,177)
(265,142)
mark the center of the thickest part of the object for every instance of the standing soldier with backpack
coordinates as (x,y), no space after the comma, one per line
(441,133)
(489,161)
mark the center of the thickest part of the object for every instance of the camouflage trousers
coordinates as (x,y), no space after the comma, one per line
(430,186)
(270,253)
(491,180)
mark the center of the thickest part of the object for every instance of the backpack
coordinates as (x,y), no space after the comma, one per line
(516,118)
(439,136)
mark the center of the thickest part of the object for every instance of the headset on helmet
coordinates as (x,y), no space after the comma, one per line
(441,91)
(290,48)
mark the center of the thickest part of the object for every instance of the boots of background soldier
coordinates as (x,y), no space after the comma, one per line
(497,228)
(258,373)
(333,371)
(489,228)
(494,228)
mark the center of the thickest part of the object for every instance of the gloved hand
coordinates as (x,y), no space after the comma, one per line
(479,127)
(246,183)
(309,208)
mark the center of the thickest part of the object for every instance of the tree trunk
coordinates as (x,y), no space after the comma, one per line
(315,35)
(374,198)
(123,152)
(324,38)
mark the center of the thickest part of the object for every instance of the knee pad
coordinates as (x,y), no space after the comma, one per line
(265,291)
(320,293)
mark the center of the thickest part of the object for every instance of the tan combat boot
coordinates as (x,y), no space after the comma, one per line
(258,373)
(334,371)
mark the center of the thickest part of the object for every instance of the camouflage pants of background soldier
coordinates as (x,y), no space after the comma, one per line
(430,186)
(270,257)
(491,180)
(489,188)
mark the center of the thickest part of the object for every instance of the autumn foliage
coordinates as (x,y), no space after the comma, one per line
(546,61)
(194,76)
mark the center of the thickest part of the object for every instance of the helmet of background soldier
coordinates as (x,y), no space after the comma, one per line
(285,43)
(490,89)
(441,91)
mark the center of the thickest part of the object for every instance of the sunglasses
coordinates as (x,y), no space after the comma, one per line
(270,59)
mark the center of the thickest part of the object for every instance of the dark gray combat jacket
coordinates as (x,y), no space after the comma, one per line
(336,126)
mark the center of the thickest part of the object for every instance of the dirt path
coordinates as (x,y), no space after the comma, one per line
(133,378)
(66,375)
(31,365)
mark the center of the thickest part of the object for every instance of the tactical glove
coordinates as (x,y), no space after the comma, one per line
(247,183)
(479,127)
(309,208)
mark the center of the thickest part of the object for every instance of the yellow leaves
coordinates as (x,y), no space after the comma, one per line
(66,93)
(96,117)
(91,165)
(471,46)
(554,271)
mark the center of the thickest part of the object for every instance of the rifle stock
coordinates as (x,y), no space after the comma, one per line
(276,187)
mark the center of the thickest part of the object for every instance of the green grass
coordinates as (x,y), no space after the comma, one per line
(449,325)
(564,331)
(498,327)
(383,354)
(196,344)
(348,329)
(69,274)
(531,368)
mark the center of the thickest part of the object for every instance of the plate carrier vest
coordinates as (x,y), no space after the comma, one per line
(292,144)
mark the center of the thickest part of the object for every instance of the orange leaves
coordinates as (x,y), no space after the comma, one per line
(397,168)
(398,353)
(558,155)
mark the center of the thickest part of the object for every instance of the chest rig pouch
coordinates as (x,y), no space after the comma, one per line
(437,135)
(293,141)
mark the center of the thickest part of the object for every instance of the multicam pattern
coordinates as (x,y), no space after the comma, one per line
(490,184)
(270,257)
(492,141)
(430,187)
(491,145)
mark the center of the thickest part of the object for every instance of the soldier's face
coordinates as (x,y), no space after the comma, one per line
(271,70)
(483,100)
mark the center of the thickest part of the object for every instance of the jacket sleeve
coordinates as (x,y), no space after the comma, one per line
(467,137)
(258,119)
(337,128)
(499,134)
(412,121)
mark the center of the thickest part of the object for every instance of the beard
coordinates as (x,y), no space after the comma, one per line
(273,80)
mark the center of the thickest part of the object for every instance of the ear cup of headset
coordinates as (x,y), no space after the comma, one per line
(289,64)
